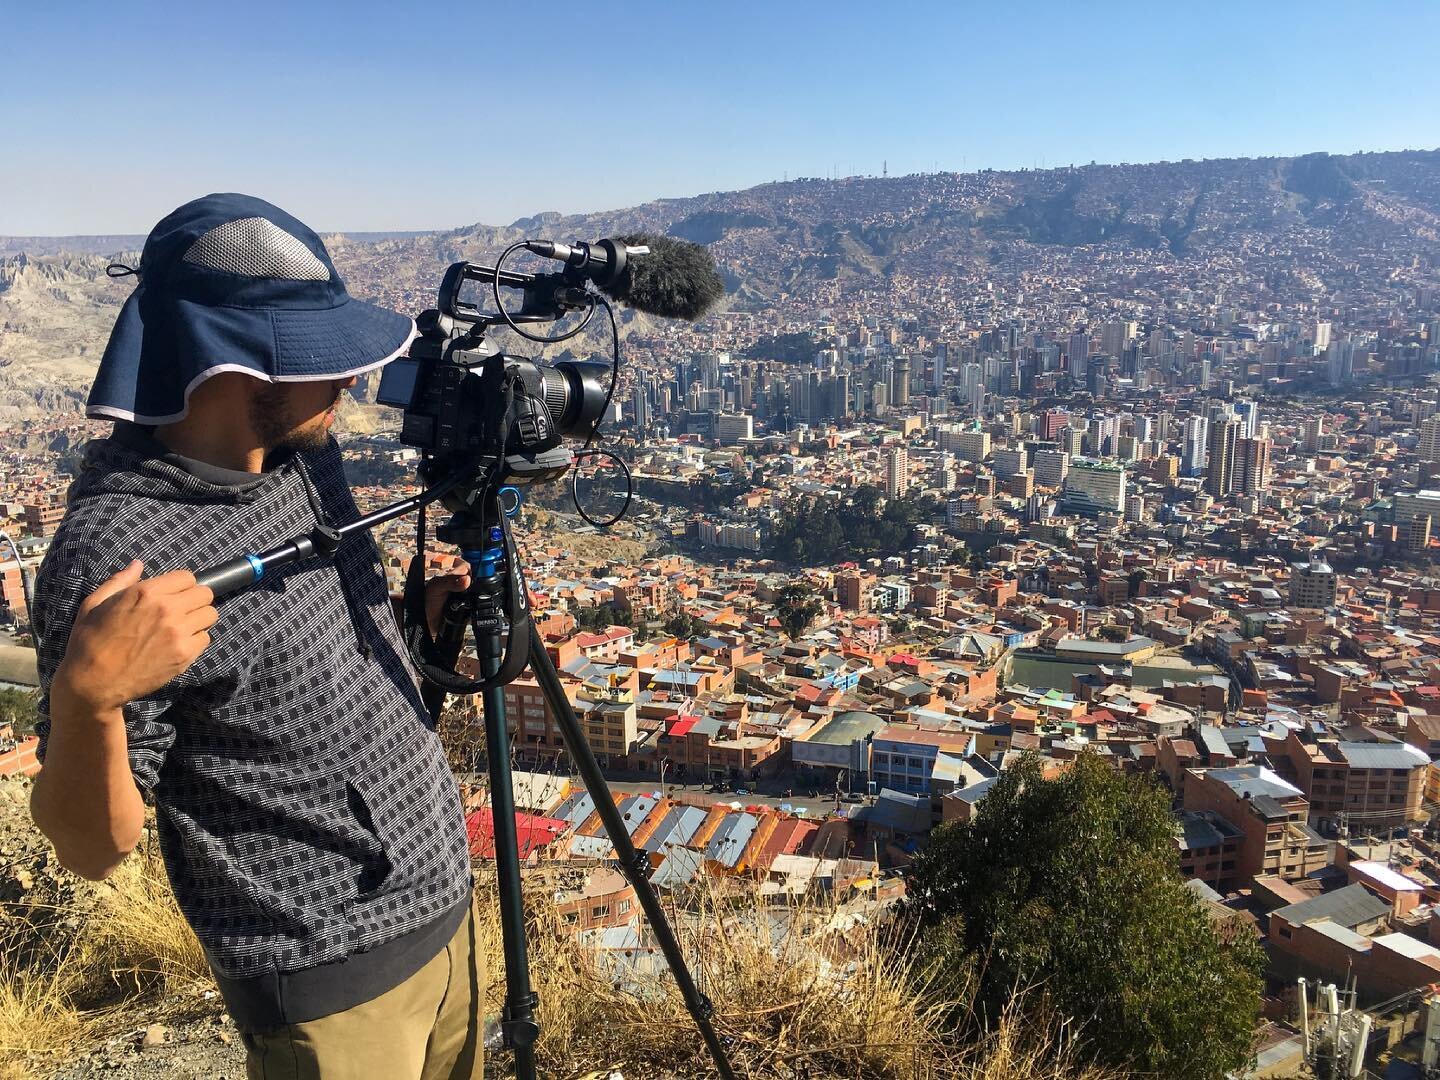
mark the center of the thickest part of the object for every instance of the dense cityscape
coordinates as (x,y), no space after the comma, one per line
(1177,506)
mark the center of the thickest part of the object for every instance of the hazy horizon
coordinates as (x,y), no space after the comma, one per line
(326,229)
(117,115)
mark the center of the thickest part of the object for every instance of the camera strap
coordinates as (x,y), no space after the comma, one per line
(421,643)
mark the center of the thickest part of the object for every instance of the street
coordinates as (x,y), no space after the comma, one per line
(696,795)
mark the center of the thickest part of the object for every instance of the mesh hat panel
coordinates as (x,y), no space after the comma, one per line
(256,247)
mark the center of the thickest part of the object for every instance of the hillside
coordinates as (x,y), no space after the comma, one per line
(794,242)
(106,980)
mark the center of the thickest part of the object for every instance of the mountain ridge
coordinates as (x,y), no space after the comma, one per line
(792,241)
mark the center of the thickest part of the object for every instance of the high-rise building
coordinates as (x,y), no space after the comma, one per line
(1095,376)
(850,592)
(1252,466)
(1429,448)
(1312,585)
(937,369)
(640,408)
(1051,466)
(840,406)
(1248,413)
(1093,487)
(972,445)
(1220,470)
(1340,361)
(897,472)
(1417,533)
(1115,336)
(733,428)
(901,390)
(1314,429)
(1412,504)
(1049,424)
(1008,462)
(1078,351)
(1192,446)
(1070,439)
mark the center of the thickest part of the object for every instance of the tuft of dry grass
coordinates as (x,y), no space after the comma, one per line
(128,941)
(135,940)
(799,992)
(36,1014)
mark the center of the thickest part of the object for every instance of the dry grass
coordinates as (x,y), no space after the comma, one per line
(801,998)
(135,940)
(796,994)
(59,974)
(37,1017)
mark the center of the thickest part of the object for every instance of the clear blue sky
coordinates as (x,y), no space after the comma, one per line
(376,116)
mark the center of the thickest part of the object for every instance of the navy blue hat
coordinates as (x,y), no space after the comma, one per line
(231,283)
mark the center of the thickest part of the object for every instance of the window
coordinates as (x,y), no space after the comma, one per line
(1285,931)
(623,907)
(600,911)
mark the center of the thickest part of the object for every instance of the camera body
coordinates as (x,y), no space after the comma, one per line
(468,404)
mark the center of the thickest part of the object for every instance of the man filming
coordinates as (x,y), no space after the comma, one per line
(311,829)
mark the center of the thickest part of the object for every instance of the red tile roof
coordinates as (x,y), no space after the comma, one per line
(532,832)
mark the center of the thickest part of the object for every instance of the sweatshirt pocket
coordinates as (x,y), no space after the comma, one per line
(375,865)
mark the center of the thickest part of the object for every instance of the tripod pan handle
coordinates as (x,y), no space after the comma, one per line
(233,576)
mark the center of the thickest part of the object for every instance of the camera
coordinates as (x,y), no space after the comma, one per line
(468,404)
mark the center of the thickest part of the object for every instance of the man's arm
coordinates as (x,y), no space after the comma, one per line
(128,640)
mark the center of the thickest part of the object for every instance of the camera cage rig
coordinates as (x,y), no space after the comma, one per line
(496,606)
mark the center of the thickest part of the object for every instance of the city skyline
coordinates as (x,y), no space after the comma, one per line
(317,113)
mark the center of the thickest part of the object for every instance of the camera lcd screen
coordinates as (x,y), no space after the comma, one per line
(397,383)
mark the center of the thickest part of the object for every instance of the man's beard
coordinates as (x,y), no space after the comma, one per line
(277,429)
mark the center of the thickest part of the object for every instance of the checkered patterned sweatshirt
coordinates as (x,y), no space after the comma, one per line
(306,812)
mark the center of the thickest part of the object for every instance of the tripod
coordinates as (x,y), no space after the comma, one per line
(493,601)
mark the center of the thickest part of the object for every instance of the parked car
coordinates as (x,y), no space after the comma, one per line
(742,791)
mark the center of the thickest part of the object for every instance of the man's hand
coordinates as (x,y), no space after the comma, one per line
(439,588)
(131,637)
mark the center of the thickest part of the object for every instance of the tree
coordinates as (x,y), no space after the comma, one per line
(797,606)
(1070,886)
(19,708)
(683,625)
(599,617)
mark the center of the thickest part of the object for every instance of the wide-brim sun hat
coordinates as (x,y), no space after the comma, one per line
(230,282)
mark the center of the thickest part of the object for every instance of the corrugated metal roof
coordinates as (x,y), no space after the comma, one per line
(1343,934)
(1382,873)
(591,847)
(1254,780)
(1406,945)
(634,810)
(1397,755)
(680,867)
(677,827)
(1350,906)
(730,839)
(576,809)
(1214,741)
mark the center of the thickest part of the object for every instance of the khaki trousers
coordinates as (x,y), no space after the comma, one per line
(427,1028)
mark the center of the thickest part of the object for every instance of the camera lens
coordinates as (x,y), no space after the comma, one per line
(574,393)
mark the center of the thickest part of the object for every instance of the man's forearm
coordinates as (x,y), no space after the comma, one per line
(85,799)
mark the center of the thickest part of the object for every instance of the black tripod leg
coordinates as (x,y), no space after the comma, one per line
(633,864)
(519,1025)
